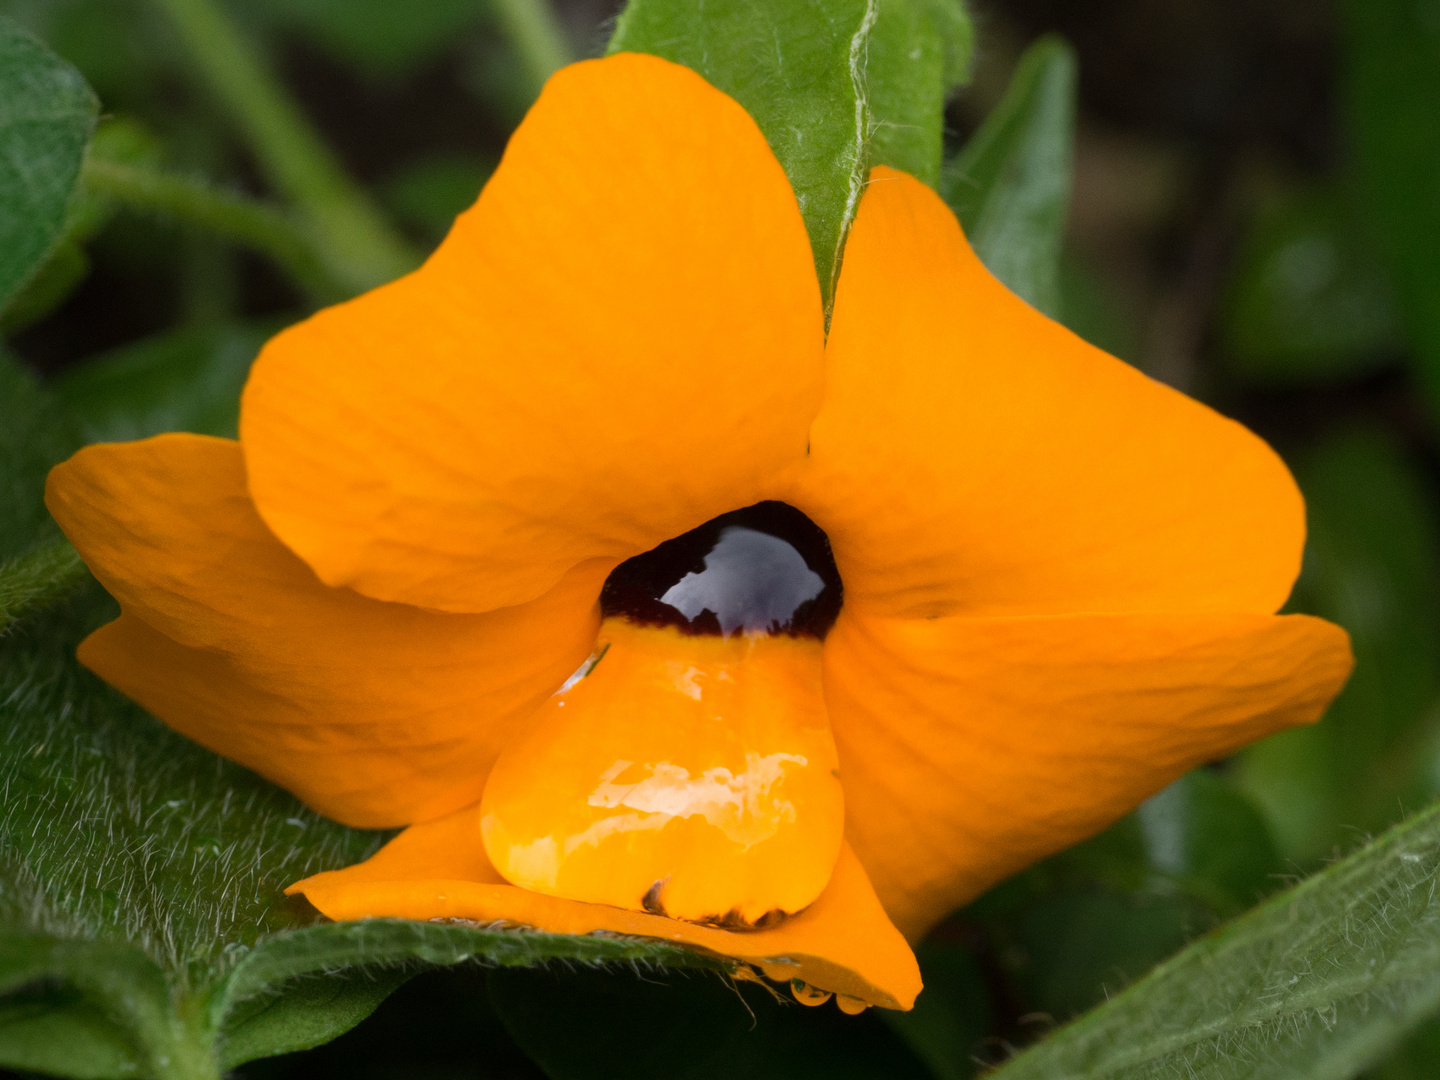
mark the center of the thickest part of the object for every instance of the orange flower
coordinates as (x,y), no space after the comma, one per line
(1059,577)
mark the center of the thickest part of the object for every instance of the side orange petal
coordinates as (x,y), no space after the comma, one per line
(374,714)
(969,748)
(974,457)
(842,943)
(622,339)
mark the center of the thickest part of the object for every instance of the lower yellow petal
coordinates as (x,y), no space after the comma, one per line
(684,775)
(843,943)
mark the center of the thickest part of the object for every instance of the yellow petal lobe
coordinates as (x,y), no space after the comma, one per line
(689,775)
(843,942)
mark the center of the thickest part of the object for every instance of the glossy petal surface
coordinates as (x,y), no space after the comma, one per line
(974,457)
(375,714)
(969,748)
(622,339)
(843,942)
(686,775)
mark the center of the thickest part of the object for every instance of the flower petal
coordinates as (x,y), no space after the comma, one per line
(375,714)
(974,457)
(842,943)
(969,748)
(621,340)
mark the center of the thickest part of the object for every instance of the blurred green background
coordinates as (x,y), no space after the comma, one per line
(1255,220)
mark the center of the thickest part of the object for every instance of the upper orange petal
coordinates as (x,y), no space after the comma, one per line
(842,943)
(375,714)
(969,748)
(621,340)
(973,456)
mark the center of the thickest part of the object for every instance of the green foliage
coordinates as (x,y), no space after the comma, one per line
(918,52)
(309,1013)
(122,141)
(358,245)
(54,1030)
(429,194)
(951,1017)
(1309,301)
(1010,185)
(1373,566)
(37,578)
(35,433)
(1077,928)
(186,380)
(587,1025)
(1317,982)
(827,81)
(143,929)
(379,36)
(143,877)
(1393,91)
(46,116)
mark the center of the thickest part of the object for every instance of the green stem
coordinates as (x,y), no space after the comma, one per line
(39,577)
(358,245)
(245,221)
(537,35)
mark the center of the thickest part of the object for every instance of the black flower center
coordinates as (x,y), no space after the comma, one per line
(764,569)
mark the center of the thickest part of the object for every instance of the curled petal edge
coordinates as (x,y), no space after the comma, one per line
(843,943)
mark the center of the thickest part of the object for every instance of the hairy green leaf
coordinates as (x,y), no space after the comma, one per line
(1010,185)
(146,876)
(46,116)
(835,85)
(1316,982)
(40,576)
(1392,53)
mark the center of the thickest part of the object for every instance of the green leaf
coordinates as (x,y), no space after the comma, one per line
(116,139)
(35,433)
(951,1016)
(1205,839)
(1010,185)
(1310,300)
(55,1030)
(830,82)
(1371,566)
(380,37)
(1070,932)
(46,116)
(305,1014)
(430,193)
(1096,310)
(185,380)
(593,1025)
(1416,1059)
(1317,982)
(919,50)
(145,875)
(1392,62)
